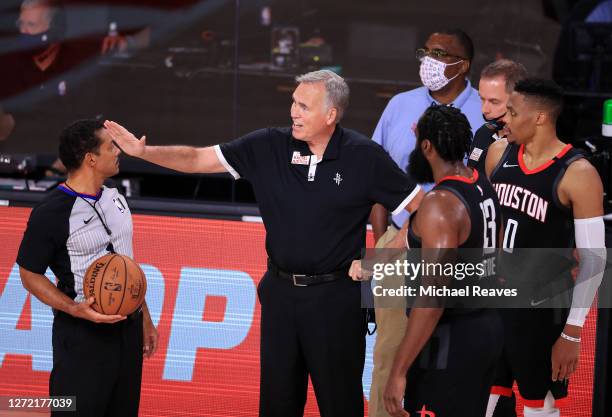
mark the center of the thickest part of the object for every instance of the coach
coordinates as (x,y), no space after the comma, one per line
(315,183)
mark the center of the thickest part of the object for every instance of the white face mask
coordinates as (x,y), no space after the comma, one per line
(432,73)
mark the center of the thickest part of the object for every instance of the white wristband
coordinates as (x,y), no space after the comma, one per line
(570,338)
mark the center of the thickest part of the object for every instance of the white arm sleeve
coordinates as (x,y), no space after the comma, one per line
(591,245)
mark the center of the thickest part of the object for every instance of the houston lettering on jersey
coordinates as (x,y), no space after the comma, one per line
(522,199)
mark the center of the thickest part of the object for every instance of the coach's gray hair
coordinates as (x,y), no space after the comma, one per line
(336,88)
(34,3)
(49,4)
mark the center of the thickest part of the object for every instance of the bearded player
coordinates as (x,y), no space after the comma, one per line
(446,361)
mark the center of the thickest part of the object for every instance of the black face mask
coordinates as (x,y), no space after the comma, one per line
(496,123)
(418,166)
(33,43)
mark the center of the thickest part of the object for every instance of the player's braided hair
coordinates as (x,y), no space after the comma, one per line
(448,130)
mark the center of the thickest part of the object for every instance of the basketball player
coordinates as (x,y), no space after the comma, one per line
(541,346)
(96,357)
(461,211)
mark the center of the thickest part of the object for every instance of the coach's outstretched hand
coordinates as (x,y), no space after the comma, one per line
(125,140)
(83,310)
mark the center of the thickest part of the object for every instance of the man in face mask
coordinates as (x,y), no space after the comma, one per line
(445,61)
(497,82)
(30,56)
(37,54)
(37,38)
(34,94)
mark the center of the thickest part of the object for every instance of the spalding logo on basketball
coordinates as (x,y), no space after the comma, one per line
(117,284)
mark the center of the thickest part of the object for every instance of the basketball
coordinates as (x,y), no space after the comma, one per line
(117,284)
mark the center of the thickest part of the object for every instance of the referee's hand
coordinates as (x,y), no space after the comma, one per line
(150,337)
(83,310)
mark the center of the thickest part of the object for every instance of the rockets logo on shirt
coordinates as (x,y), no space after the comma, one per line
(523,200)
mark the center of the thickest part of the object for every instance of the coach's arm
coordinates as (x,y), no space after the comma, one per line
(186,159)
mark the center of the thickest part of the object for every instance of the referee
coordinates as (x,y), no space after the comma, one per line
(315,183)
(96,357)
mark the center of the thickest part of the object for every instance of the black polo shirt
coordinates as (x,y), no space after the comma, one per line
(315,212)
(484,137)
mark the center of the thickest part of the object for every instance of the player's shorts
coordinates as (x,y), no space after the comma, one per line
(529,335)
(453,373)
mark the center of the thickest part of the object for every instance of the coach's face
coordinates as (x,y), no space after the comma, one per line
(493,96)
(107,157)
(521,118)
(310,113)
(34,20)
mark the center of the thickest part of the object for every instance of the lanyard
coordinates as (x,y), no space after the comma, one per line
(109,232)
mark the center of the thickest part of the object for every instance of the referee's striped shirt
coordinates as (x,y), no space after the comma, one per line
(66,234)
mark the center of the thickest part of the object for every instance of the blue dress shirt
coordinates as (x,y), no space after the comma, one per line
(395,129)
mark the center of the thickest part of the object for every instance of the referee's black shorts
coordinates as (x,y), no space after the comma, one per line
(100,364)
(529,337)
(453,373)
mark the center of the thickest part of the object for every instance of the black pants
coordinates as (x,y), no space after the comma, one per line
(318,331)
(529,337)
(100,364)
(452,375)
